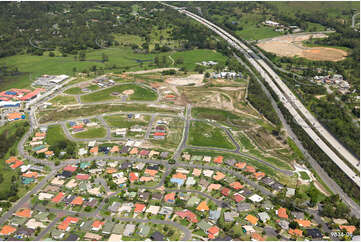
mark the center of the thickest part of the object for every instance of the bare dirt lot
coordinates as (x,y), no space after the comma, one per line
(291,45)
(195,79)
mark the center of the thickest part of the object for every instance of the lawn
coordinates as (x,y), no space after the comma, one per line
(252,32)
(63,100)
(31,66)
(204,134)
(73,91)
(90,133)
(121,121)
(304,175)
(55,134)
(140,94)
(196,56)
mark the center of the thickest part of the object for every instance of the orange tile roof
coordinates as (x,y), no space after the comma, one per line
(11,159)
(179,176)
(7,229)
(259,175)
(241,165)
(349,228)
(146,178)
(139,207)
(282,213)
(39,134)
(49,152)
(303,223)
(133,177)
(94,150)
(16,164)
(12,116)
(97,224)
(252,219)
(115,149)
(197,172)
(24,213)
(30,174)
(213,230)
(250,169)
(42,150)
(150,172)
(170,197)
(257,237)
(111,170)
(65,224)
(236,185)
(214,187)
(218,159)
(58,197)
(134,151)
(203,206)
(77,201)
(297,232)
(218,176)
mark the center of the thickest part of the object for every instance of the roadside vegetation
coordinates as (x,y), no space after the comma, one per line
(91,133)
(10,181)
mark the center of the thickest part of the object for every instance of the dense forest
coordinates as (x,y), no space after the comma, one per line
(259,100)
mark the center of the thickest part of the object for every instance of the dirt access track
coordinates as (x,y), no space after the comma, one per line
(291,45)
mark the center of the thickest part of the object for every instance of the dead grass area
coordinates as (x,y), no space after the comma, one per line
(291,45)
(263,139)
(193,79)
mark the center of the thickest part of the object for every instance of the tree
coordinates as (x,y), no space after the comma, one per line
(51,54)
(105,57)
(82,56)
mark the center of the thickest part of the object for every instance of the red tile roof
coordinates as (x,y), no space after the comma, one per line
(58,197)
(191,217)
(7,229)
(82,176)
(70,168)
(238,198)
(139,207)
(225,191)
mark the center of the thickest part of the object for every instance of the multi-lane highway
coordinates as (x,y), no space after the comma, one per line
(288,99)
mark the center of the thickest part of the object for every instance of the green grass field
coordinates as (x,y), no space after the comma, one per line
(124,57)
(73,91)
(55,134)
(63,100)
(204,134)
(90,133)
(256,33)
(119,121)
(140,94)
(304,175)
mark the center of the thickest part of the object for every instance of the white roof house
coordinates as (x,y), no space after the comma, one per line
(255,198)
(45,196)
(92,143)
(153,209)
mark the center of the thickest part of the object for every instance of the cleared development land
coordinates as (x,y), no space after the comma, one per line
(292,45)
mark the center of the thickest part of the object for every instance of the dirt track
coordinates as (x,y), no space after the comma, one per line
(291,45)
